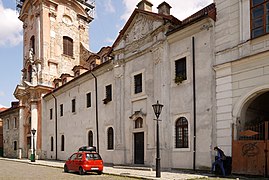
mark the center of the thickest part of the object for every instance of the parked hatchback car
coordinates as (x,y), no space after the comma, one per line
(83,161)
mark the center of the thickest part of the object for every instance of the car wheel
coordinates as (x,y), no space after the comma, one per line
(99,172)
(66,168)
(81,171)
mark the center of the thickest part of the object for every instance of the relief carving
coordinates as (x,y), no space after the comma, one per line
(140,29)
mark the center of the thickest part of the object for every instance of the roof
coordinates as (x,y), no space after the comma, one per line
(207,12)
(3,109)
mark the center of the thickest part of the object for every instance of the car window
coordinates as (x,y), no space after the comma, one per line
(91,156)
(73,156)
(79,157)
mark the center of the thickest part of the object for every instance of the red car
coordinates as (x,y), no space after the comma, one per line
(83,162)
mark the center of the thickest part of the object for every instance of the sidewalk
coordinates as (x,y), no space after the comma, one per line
(119,171)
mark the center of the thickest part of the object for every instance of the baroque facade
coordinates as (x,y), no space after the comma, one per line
(55,33)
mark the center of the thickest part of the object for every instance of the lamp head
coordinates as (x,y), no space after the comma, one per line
(157,109)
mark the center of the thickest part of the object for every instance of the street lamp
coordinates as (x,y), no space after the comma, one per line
(33,155)
(157,110)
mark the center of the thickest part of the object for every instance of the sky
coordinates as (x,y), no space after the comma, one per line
(110,17)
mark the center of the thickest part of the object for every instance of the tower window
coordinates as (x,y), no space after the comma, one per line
(67,46)
(32,44)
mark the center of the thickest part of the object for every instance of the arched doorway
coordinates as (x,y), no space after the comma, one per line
(250,149)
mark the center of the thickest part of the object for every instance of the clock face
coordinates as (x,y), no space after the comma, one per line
(67,20)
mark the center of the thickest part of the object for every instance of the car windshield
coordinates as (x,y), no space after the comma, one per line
(91,156)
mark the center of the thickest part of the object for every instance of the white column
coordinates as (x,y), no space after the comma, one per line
(34,121)
(21,130)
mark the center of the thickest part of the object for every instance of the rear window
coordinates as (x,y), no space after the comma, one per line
(93,156)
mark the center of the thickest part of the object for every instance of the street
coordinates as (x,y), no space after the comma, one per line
(17,170)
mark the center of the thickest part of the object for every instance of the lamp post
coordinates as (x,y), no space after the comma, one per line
(157,110)
(33,155)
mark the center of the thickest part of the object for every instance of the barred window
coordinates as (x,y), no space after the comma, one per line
(108,94)
(182,133)
(110,138)
(67,46)
(180,69)
(138,83)
(259,17)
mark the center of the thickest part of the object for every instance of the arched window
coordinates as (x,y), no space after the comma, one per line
(32,44)
(64,81)
(182,133)
(90,138)
(110,138)
(51,143)
(62,143)
(30,69)
(67,46)
(139,123)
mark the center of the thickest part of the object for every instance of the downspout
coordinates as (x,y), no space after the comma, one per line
(96,112)
(56,143)
(194,104)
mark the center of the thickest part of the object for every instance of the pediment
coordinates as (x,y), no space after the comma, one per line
(138,28)
(141,26)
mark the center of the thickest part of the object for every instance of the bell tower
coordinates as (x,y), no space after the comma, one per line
(54,31)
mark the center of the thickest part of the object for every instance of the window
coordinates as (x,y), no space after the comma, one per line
(7,123)
(138,83)
(32,44)
(67,46)
(77,73)
(180,71)
(110,138)
(182,133)
(51,143)
(56,85)
(15,123)
(89,100)
(259,17)
(108,94)
(61,109)
(30,73)
(51,113)
(15,146)
(62,143)
(139,123)
(90,138)
(73,105)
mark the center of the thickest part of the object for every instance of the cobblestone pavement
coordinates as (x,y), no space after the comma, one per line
(12,170)
(116,172)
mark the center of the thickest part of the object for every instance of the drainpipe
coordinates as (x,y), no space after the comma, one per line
(194,104)
(55,103)
(96,112)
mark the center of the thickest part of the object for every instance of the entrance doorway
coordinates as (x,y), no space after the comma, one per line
(250,148)
(139,148)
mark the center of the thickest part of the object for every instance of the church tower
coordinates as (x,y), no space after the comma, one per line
(54,34)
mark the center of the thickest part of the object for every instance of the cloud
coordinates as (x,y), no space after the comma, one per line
(11,27)
(109,7)
(109,40)
(180,9)
(2,93)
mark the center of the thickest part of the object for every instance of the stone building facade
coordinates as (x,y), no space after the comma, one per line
(151,59)
(55,33)
(242,82)
(10,122)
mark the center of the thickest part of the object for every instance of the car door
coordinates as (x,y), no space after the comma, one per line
(77,161)
(70,162)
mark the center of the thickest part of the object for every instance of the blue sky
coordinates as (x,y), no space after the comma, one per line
(110,17)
